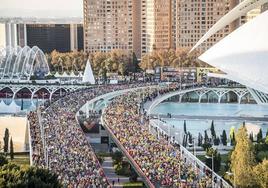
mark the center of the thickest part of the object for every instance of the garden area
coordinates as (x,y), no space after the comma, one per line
(246,165)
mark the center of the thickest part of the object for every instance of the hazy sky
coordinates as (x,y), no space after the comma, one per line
(41,8)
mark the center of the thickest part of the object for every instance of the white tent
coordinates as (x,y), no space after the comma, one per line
(57,75)
(10,109)
(88,76)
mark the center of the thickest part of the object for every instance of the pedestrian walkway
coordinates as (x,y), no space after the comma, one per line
(109,171)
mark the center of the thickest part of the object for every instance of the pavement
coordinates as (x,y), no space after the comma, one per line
(227,118)
(109,171)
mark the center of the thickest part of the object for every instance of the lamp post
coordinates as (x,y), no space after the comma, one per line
(212,174)
(169,133)
(231,174)
(178,133)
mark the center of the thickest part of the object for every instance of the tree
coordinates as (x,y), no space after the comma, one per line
(184,127)
(12,175)
(232,136)
(136,67)
(3,160)
(212,130)
(216,141)
(117,157)
(206,139)
(179,58)
(251,137)
(133,176)
(259,136)
(190,138)
(243,160)
(11,150)
(224,138)
(6,140)
(216,159)
(261,174)
(200,139)
(206,146)
(185,140)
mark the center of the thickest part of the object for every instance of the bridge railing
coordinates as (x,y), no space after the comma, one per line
(30,142)
(216,180)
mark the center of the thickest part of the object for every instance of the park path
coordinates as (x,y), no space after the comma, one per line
(109,171)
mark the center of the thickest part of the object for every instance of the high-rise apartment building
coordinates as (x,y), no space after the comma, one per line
(156,24)
(112,24)
(134,25)
(195,18)
(141,26)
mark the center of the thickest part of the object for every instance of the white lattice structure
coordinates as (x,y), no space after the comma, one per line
(21,63)
(34,88)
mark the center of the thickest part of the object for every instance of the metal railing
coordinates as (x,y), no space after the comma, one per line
(130,159)
(217,181)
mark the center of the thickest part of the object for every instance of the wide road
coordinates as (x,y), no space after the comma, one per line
(227,118)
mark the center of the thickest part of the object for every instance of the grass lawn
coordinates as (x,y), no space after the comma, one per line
(133,185)
(20,159)
(103,154)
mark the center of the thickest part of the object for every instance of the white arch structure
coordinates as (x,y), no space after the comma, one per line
(200,92)
(34,88)
(241,9)
(22,63)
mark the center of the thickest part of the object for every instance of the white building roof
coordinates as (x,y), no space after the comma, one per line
(240,10)
(243,55)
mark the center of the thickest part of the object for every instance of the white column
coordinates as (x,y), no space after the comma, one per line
(73,37)
(8,34)
(25,35)
(13,30)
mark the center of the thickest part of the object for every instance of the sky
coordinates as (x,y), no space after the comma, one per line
(41,8)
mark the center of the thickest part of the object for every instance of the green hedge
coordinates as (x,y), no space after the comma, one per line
(133,185)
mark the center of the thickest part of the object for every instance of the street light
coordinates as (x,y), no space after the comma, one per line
(212,174)
(179,140)
(231,174)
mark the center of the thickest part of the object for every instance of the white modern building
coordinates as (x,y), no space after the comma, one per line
(243,54)
(22,63)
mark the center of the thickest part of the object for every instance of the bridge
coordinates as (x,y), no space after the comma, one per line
(74,106)
(201,93)
(192,161)
(184,152)
(48,89)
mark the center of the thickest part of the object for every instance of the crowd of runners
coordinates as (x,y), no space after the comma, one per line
(58,142)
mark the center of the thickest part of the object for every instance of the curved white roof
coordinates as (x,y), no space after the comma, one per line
(21,63)
(241,9)
(243,54)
